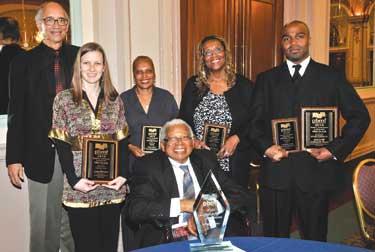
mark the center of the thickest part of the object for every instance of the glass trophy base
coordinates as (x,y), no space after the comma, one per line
(222,246)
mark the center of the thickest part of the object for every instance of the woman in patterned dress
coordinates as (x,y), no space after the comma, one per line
(218,95)
(91,108)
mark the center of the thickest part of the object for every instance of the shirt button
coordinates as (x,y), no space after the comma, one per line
(52,145)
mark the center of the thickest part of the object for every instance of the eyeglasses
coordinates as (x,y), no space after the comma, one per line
(209,52)
(174,140)
(51,21)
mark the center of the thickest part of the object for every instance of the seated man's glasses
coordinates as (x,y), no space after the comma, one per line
(173,140)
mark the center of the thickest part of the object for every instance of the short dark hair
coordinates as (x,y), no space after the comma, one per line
(9,28)
(143,58)
(295,22)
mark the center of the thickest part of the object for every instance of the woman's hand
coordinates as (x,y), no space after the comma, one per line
(229,147)
(136,150)
(85,185)
(116,183)
(200,145)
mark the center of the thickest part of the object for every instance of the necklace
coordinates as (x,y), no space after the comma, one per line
(217,80)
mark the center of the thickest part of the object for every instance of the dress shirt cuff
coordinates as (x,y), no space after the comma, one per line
(175,209)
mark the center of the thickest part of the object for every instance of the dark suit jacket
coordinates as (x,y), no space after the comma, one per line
(154,184)
(239,99)
(32,91)
(6,55)
(277,97)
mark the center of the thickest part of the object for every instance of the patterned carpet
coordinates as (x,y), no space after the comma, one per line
(357,240)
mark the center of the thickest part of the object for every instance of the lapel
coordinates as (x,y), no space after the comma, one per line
(168,178)
(45,67)
(310,77)
(285,79)
(198,168)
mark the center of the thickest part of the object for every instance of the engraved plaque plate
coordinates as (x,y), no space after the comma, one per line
(100,160)
(150,138)
(214,136)
(319,126)
(285,133)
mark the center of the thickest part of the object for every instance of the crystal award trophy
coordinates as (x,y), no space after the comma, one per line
(211,212)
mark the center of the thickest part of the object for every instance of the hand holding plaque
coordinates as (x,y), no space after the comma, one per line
(285,134)
(214,136)
(150,138)
(100,160)
(319,126)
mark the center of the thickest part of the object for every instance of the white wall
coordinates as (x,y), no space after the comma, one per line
(129,28)
(316,15)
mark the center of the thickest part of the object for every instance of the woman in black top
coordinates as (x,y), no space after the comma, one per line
(220,96)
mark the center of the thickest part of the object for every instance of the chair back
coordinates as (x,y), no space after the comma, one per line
(364,193)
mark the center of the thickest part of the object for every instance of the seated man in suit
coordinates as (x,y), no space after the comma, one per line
(159,194)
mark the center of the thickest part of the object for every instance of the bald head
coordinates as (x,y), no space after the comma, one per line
(40,12)
(295,41)
(296,23)
(53,23)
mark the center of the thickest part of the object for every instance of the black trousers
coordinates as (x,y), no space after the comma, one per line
(95,229)
(311,209)
(130,240)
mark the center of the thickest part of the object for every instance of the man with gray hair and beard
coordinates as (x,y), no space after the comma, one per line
(36,76)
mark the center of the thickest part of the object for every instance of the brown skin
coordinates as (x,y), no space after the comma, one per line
(295,43)
(55,34)
(54,37)
(218,85)
(144,76)
(216,61)
(180,152)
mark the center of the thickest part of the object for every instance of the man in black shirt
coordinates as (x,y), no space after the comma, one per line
(35,78)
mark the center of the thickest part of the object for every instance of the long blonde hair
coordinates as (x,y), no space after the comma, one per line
(204,72)
(110,93)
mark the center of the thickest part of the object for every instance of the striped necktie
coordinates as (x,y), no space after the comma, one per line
(188,188)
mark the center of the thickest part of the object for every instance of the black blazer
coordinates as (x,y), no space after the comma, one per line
(154,184)
(239,99)
(277,97)
(32,90)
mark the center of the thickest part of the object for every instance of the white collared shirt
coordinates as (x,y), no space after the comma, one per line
(303,64)
(175,209)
